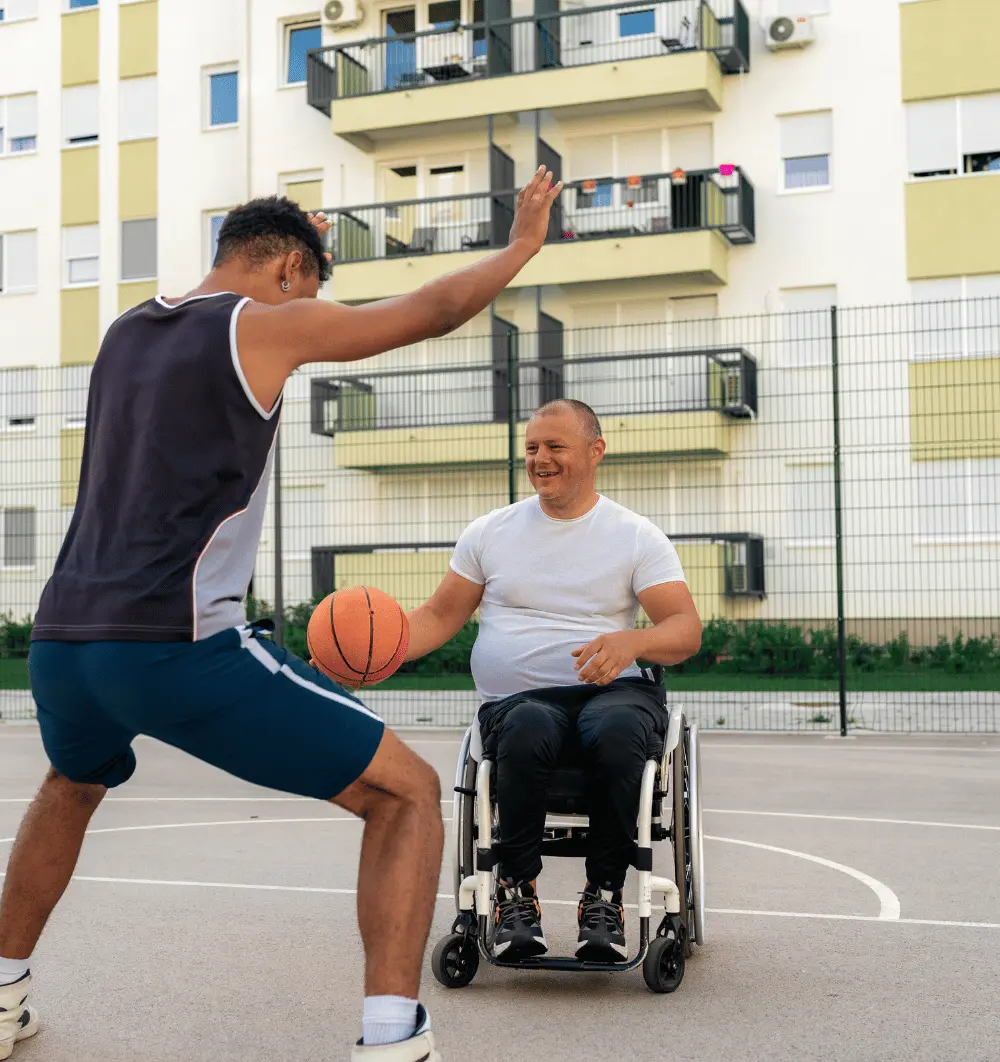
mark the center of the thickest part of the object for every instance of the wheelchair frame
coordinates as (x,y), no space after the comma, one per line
(674,780)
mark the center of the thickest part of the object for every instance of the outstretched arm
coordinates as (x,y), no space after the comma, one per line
(275,340)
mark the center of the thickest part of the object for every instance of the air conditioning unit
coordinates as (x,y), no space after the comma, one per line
(343,14)
(788,31)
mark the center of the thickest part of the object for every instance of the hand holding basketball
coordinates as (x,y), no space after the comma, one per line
(358,636)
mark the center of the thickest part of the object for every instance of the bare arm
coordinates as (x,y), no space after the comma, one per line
(275,340)
(674,636)
(443,616)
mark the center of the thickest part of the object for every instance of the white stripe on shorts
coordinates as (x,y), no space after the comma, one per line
(258,652)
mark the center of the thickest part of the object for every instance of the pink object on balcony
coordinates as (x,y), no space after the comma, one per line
(727,169)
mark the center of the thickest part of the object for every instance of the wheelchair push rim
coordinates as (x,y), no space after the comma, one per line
(687,833)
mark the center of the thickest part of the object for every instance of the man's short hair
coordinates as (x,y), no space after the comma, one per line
(266,228)
(588,418)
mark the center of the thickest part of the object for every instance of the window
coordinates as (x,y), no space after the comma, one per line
(444,14)
(139,249)
(805,150)
(805,326)
(15,10)
(80,115)
(75,384)
(18,262)
(223,98)
(74,4)
(18,398)
(634,23)
(213,224)
(18,124)
(81,248)
(948,137)
(137,108)
(299,39)
(18,537)
(956,317)
(479,34)
(958,501)
(809,504)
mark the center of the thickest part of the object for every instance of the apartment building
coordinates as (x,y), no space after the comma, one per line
(728,163)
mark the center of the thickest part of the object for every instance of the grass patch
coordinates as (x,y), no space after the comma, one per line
(13,673)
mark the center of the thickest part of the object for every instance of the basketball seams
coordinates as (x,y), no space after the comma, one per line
(336,642)
(371,632)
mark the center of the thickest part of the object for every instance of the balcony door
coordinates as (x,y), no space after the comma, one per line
(401,53)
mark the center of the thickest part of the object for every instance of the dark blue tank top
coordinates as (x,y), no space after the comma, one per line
(176,461)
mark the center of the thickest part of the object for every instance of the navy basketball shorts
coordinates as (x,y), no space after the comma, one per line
(235,700)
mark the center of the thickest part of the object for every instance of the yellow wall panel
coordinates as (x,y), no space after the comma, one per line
(70,455)
(949,48)
(137,39)
(702,562)
(80,186)
(701,257)
(955,409)
(953,226)
(79,47)
(308,194)
(690,79)
(137,187)
(79,325)
(130,295)
(654,434)
(410,578)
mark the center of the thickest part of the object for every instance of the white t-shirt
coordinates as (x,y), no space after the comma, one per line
(554,585)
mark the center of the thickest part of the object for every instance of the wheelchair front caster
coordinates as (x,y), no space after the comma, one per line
(663,967)
(455,960)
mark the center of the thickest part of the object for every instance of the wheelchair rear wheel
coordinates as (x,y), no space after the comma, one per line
(687,834)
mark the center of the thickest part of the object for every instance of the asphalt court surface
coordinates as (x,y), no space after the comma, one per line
(853,895)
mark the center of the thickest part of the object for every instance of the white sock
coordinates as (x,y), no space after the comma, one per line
(12,970)
(388,1019)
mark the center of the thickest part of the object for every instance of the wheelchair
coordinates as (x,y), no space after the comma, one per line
(670,789)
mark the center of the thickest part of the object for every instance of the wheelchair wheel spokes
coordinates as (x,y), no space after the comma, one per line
(697,840)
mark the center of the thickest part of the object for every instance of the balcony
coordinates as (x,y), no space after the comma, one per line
(581,61)
(660,404)
(608,228)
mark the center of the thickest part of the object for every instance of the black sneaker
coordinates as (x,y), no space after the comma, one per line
(518,923)
(602,926)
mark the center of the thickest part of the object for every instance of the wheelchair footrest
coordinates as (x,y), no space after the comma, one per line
(568,964)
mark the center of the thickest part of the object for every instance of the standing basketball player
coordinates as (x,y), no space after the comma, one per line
(141,628)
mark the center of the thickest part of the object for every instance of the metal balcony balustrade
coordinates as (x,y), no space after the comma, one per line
(483,392)
(600,208)
(497,45)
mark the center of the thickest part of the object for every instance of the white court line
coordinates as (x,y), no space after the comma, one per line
(444,896)
(851,818)
(888,900)
(820,741)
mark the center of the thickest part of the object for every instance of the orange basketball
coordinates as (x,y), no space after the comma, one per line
(358,636)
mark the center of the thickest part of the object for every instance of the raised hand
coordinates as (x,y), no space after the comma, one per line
(531,218)
(322,224)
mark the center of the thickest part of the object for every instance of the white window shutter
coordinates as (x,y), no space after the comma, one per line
(640,153)
(80,112)
(21,254)
(937,318)
(76,381)
(137,108)
(931,136)
(21,396)
(590,158)
(691,147)
(22,116)
(82,241)
(804,135)
(980,123)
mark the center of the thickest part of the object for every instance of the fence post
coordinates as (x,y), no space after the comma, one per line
(279,589)
(838,521)
(512,412)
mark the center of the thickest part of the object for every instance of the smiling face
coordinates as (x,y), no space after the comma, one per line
(561,457)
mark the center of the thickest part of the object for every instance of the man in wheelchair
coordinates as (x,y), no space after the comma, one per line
(558,579)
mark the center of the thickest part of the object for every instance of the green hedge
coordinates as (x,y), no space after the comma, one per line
(753,648)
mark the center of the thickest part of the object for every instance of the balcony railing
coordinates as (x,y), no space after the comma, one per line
(459,51)
(678,381)
(606,207)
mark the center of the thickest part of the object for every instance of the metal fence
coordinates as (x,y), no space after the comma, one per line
(494,44)
(831,479)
